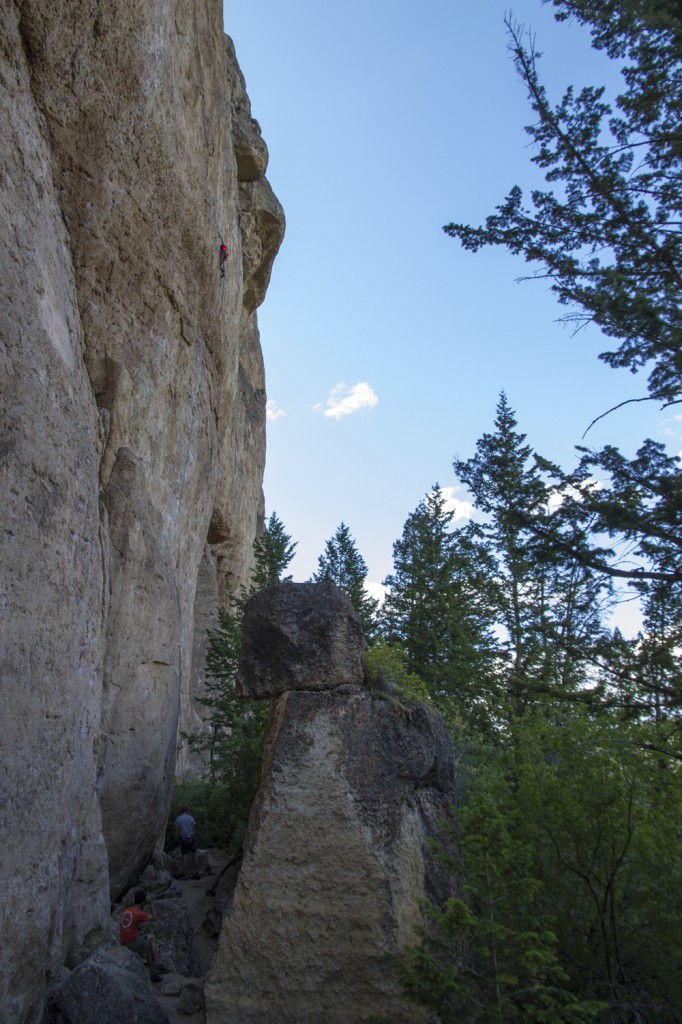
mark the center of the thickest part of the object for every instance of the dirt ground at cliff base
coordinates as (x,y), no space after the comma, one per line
(200,895)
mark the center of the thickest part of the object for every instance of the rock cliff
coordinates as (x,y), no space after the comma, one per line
(336,857)
(132,402)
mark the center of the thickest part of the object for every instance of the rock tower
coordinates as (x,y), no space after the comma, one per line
(336,857)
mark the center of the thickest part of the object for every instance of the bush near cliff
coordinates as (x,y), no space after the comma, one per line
(235,741)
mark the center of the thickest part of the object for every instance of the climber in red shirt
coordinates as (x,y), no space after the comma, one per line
(129,930)
(223,258)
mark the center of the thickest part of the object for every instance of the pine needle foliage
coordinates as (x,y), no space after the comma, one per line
(342,564)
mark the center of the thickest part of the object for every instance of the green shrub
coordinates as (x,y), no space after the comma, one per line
(386,675)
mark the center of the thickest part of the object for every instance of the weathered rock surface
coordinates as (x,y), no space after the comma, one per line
(191,999)
(132,444)
(249,146)
(171,925)
(335,862)
(111,987)
(299,636)
(173,932)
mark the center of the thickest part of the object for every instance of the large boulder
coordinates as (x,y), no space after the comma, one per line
(111,987)
(173,932)
(336,861)
(299,636)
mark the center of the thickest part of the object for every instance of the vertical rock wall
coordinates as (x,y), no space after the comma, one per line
(53,868)
(132,445)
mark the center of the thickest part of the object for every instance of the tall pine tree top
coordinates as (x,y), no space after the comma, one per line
(343,564)
(273,552)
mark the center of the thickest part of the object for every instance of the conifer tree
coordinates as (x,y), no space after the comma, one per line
(436,607)
(584,798)
(606,235)
(343,564)
(273,551)
(607,232)
(550,607)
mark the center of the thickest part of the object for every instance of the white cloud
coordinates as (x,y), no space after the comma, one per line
(672,427)
(463,509)
(344,400)
(557,497)
(501,632)
(273,412)
(627,617)
(376,590)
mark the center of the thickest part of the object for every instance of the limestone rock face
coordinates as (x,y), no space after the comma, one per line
(249,146)
(132,443)
(335,862)
(299,636)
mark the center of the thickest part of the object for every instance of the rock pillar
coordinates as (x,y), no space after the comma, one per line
(336,856)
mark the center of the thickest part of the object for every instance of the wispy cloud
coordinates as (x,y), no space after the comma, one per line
(557,497)
(344,400)
(462,508)
(671,426)
(272,411)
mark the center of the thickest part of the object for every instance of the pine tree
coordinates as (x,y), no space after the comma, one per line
(629,529)
(234,741)
(607,234)
(343,564)
(550,607)
(436,608)
(273,551)
(505,485)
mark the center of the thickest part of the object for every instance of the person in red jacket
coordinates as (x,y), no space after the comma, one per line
(131,937)
(223,259)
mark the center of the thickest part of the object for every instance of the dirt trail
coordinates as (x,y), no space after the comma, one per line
(173,992)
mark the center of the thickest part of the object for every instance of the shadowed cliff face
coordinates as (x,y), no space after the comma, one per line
(133,433)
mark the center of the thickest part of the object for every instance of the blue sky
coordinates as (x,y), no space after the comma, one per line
(386,345)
